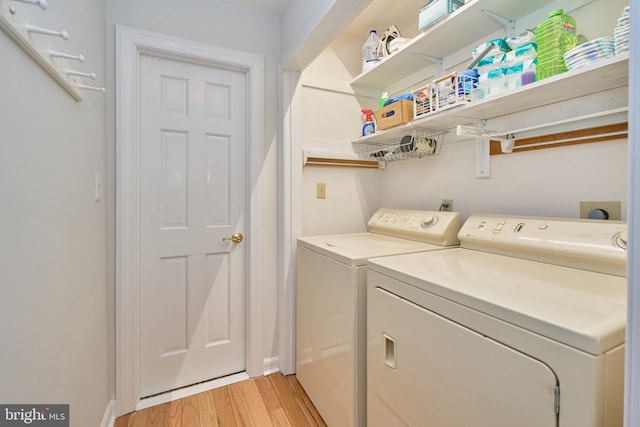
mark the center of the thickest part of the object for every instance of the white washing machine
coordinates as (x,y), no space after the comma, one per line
(330,295)
(523,325)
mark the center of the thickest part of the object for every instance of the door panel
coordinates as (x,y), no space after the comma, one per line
(193,194)
(427,371)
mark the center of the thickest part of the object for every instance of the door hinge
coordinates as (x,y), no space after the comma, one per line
(556,393)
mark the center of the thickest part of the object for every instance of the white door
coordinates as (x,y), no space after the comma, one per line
(192,192)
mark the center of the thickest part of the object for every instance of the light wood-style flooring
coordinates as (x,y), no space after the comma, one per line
(272,401)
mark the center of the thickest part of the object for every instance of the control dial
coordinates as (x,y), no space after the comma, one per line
(620,239)
(428,221)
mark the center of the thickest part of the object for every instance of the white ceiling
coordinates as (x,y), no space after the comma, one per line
(270,7)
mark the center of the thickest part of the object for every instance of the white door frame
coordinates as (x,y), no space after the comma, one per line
(632,359)
(130,44)
(290,180)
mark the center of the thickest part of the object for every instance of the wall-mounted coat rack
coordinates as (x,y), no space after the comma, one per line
(16,20)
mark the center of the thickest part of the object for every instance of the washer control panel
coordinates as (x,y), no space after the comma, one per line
(595,245)
(438,228)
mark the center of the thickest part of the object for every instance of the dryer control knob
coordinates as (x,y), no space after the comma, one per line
(621,239)
(428,221)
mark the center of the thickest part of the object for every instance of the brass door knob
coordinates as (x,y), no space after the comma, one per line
(235,238)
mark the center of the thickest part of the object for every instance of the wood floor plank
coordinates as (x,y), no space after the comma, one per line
(154,416)
(173,414)
(296,416)
(190,411)
(279,418)
(224,407)
(276,412)
(304,399)
(123,421)
(248,403)
(273,401)
(137,419)
(268,394)
(208,413)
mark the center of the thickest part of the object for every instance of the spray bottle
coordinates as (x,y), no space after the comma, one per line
(369,127)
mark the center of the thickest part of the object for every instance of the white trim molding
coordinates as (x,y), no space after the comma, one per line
(290,183)
(632,358)
(109,417)
(130,44)
(271,365)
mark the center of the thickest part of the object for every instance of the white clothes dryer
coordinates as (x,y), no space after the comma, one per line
(522,325)
(331,305)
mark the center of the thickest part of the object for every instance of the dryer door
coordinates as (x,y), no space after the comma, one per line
(428,371)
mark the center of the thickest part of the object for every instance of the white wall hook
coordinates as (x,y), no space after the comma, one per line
(81,74)
(33,29)
(41,3)
(99,89)
(79,58)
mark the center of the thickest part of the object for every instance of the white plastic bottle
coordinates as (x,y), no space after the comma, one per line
(370,51)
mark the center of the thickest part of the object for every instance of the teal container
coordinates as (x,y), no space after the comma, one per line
(555,36)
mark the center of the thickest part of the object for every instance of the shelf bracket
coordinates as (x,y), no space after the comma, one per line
(508,23)
(483,153)
(483,157)
(435,60)
(483,145)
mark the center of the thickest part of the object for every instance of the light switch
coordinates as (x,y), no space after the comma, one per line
(321,190)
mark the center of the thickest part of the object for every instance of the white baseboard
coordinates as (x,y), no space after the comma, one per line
(271,365)
(190,391)
(109,418)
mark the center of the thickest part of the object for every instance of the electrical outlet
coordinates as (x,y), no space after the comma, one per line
(447,205)
(321,190)
(600,210)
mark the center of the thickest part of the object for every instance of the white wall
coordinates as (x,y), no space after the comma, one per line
(331,118)
(547,182)
(308,26)
(53,309)
(220,24)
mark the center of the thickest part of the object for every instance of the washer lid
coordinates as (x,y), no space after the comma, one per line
(582,309)
(354,249)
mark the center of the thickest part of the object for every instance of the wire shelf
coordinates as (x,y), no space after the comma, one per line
(445,92)
(420,142)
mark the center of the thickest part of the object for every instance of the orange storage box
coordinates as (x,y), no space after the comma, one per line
(395,114)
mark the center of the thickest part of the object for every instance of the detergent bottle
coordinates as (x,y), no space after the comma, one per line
(555,36)
(369,127)
(383,99)
(370,55)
